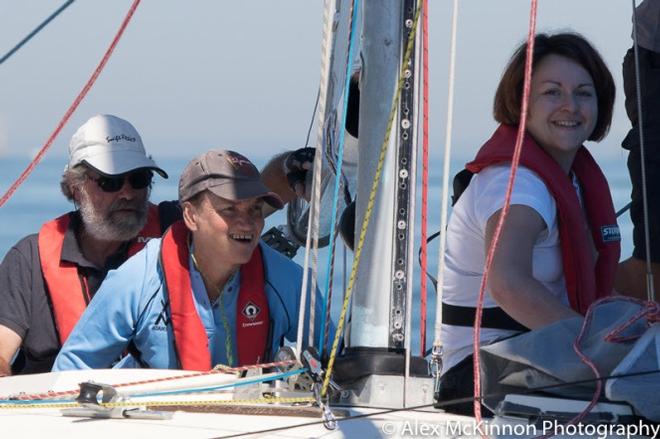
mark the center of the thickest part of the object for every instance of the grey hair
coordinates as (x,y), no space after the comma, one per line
(72,178)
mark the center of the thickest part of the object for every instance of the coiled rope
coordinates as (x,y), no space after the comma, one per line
(33,164)
(648,310)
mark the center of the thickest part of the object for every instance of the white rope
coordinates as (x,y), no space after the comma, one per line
(445,176)
(638,89)
(327,42)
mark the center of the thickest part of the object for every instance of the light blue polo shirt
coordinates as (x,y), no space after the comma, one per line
(131,306)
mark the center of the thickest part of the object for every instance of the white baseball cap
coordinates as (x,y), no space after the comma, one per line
(110,145)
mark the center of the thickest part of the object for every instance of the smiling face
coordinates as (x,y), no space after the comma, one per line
(563,107)
(111,216)
(225,230)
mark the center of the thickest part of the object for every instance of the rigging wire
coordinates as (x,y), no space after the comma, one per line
(326,314)
(425,174)
(507,201)
(445,175)
(311,242)
(311,122)
(74,106)
(352,44)
(640,120)
(35,31)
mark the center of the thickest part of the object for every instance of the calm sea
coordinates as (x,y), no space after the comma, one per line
(39,199)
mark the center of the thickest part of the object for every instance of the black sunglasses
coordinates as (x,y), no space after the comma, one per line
(137,179)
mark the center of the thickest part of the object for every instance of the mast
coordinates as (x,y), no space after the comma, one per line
(377,343)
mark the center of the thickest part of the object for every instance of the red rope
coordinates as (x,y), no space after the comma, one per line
(648,310)
(33,164)
(425,172)
(505,210)
(222,370)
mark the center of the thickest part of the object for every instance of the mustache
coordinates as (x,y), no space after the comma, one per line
(140,206)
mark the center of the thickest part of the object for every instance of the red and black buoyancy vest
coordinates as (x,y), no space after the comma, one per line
(190,339)
(67,289)
(585,282)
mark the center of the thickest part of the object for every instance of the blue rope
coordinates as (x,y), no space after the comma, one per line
(342,134)
(36,31)
(224,386)
(170,392)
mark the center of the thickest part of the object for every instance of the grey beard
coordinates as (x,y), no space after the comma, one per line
(112,227)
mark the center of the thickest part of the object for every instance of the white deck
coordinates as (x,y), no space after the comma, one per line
(39,422)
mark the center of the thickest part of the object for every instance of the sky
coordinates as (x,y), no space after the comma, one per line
(243,74)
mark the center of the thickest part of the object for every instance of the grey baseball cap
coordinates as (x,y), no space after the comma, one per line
(110,145)
(227,174)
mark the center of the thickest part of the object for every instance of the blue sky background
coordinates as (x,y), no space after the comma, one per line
(243,74)
(197,74)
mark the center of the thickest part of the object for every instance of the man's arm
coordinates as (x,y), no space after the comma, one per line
(17,271)
(286,174)
(9,344)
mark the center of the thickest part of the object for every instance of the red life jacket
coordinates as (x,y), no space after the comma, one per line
(585,282)
(190,339)
(67,289)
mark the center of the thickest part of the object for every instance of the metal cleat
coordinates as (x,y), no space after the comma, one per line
(88,398)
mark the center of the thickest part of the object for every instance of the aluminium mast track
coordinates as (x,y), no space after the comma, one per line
(404,213)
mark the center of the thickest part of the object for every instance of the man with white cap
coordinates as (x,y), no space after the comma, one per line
(47,279)
(207,293)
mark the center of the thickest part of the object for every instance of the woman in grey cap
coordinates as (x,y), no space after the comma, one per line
(207,293)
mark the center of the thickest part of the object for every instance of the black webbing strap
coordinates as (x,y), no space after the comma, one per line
(494,318)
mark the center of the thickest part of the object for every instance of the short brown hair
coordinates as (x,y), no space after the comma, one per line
(508,98)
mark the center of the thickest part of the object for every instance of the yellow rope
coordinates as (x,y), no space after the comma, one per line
(63,405)
(372,197)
